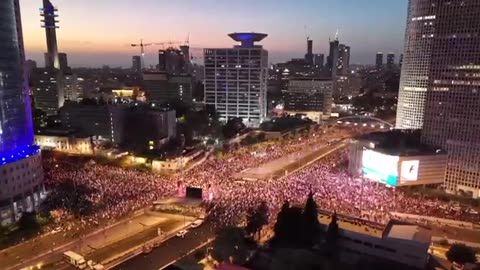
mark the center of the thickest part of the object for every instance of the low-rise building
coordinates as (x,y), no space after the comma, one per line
(396,158)
(64,141)
(400,242)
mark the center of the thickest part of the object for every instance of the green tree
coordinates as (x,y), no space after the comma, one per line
(289,228)
(461,254)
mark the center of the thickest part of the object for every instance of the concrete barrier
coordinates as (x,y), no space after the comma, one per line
(450,222)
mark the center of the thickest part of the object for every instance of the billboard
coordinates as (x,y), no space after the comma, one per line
(380,167)
(409,170)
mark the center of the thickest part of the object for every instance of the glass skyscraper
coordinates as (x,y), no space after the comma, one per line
(21,173)
(440,85)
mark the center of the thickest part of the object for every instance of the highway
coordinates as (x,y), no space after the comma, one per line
(170,250)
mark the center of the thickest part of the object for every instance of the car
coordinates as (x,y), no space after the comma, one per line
(196,223)
(182,233)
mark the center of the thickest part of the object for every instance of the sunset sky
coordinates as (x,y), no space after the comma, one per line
(99,32)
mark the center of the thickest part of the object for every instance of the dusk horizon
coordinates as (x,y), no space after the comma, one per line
(95,42)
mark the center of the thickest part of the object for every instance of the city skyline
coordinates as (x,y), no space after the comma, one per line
(207,24)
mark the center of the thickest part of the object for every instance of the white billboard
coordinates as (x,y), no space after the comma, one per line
(380,167)
(409,170)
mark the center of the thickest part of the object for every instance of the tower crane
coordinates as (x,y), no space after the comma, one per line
(143,45)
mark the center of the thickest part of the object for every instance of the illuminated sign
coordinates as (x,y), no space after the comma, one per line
(380,167)
(409,170)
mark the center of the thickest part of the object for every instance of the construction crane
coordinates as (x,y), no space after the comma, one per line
(143,45)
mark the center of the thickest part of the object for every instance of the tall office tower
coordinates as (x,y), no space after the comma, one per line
(21,188)
(236,79)
(309,55)
(400,61)
(451,118)
(136,63)
(379,60)
(48,12)
(390,60)
(318,60)
(414,78)
(332,60)
(343,62)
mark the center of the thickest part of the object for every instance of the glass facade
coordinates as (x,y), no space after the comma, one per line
(16,133)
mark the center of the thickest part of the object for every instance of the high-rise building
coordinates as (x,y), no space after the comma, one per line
(236,79)
(21,188)
(173,61)
(71,87)
(379,60)
(62,58)
(48,90)
(343,62)
(309,54)
(48,12)
(332,60)
(390,60)
(318,60)
(309,96)
(400,61)
(136,63)
(448,32)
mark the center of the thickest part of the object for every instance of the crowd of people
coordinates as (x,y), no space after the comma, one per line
(92,192)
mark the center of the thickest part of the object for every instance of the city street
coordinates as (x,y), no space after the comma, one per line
(49,252)
(170,250)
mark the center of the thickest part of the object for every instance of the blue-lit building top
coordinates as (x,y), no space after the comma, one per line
(16,131)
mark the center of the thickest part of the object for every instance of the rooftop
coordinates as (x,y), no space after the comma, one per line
(399,142)
(410,232)
(247,39)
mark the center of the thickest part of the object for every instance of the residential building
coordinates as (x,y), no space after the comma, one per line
(48,91)
(318,60)
(343,61)
(309,96)
(148,128)
(71,88)
(21,185)
(390,61)
(236,79)
(136,63)
(379,60)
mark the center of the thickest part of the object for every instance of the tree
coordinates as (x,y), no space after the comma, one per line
(461,254)
(288,228)
(28,221)
(257,218)
(230,243)
(311,226)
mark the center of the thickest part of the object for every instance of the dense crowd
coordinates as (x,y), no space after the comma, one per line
(92,191)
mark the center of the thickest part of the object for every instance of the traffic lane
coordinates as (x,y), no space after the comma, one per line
(169,250)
